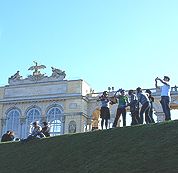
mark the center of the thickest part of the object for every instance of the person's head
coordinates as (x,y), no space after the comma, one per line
(139,90)
(11,133)
(148,91)
(45,123)
(35,123)
(122,92)
(105,93)
(130,92)
(166,78)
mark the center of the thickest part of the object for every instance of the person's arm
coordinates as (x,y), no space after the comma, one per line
(161,81)
(156,83)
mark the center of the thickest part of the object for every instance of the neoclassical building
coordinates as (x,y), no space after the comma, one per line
(67,105)
(62,103)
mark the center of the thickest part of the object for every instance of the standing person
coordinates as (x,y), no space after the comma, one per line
(134,107)
(151,98)
(104,111)
(46,129)
(144,100)
(122,101)
(165,96)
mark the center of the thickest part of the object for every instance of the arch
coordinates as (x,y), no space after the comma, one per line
(55,105)
(33,113)
(12,108)
(13,120)
(31,107)
(55,118)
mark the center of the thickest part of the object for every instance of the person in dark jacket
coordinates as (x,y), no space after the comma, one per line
(134,107)
(8,136)
(5,136)
(145,102)
(151,98)
(46,129)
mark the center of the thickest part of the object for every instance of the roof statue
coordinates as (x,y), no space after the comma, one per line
(37,76)
(16,76)
(57,72)
(36,69)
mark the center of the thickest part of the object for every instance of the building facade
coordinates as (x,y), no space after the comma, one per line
(61,103)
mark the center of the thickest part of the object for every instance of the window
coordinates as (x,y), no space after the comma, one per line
(32,115)
(55,128)
(54,118)
(13,121)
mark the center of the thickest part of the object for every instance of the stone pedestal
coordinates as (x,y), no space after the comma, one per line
(160,116)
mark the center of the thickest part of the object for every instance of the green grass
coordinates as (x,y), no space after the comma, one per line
(140,149)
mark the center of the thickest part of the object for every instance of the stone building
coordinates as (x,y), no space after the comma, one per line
(62,103)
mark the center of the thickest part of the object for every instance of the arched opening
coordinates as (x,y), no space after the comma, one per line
(13,121)
(33,115)
(55,120)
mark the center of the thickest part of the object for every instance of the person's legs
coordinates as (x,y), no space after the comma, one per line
(124,117)
(147,116)
(106,123)
(102,122)
(118,114)
(151,116)
(133,122)
(166,107)
(144,107)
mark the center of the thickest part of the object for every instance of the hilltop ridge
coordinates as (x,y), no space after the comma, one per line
(134,149)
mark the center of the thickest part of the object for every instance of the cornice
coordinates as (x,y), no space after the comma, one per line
(41,98)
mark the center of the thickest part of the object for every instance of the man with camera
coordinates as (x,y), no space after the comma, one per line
(165,96)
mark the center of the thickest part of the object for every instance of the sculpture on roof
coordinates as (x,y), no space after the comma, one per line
(16,76)
(37,76)
(57,72)
(36,69)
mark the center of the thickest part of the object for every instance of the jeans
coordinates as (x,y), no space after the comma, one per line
(118,114)
(145,109)
(165,103)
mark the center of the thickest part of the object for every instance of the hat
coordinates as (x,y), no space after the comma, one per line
(166,77)
(148,91)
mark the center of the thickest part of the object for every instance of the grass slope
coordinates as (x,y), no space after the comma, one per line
(140,149)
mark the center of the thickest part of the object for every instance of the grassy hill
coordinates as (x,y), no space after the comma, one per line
(140,149)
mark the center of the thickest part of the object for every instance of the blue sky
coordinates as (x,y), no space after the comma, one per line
(120,43)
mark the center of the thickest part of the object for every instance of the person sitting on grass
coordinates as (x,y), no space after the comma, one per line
(46,129)
(36,132)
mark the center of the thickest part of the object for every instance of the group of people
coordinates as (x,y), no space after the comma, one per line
(37,132)
(140,103)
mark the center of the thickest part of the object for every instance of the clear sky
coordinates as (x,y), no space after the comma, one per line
(120,43)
